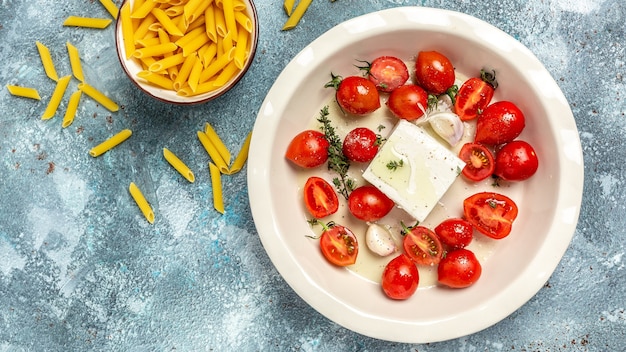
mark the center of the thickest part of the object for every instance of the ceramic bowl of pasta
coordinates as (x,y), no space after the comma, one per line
(395,271)
(186,52)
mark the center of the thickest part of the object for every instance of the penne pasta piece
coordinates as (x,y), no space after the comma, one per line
(242,156)
(167,22)
(198,13)
(56,97)
(227,73)
(24,92)
(213,152)
(190,7)
(156,50)
(209,55)
(137,4)
(239,5)
(143,28)
(195,44)
(188,37)
(144,9)
(110,143)
(227,42)
(77,69)
(183,73)
(241,49)
(167,62)
(194,75)
(88,22)
(229,18)
(141,202)
(220,23)
(288,6)
(72,106)
(127,30)
(244,21)
(209,23)
(297,14)
(202,88)
(217,65)
(98,96)
(174,11)
(46,61)
(156,79)
(217,142)
(146,42)
(216,184)
(178,165)
(110,6)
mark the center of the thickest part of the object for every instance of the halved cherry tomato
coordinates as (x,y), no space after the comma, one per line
(478,159)
(455,233)
(473,97)
(308,149)
(387,73)
(422,245)
(490,213)
(320,198)
(408,102)
(516,161)
(355,95)
(434,72)
(400,278)
(368,203)
(339,245)
(459,269)
(361,144)
(500,122)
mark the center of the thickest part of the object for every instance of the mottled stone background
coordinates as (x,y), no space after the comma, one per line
(80,270)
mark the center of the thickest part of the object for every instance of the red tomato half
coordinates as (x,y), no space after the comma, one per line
(516,161)
(339,245)
(479,162)
(490,213)
(388,73)
(361,144)
(473,97)
(320,198)
(459,269)
(368,203)
(501,122)
(357,95)
(308,149)
(456,233)
(423,246)
(408,102)
(434,72)
(400,278)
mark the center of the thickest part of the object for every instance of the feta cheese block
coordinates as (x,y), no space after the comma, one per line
(424,169)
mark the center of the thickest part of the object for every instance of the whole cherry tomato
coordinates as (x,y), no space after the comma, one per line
(490,213)
(459,269)
(408,102)
(308,149)
(516,161)
(400,278)
(422,245)
(500,122)
(339,245)
(478,159)
(474,96)
(434,72)
(320,197)
(361,144)
(387,73)
(368,203)
(455,232)
(355,95)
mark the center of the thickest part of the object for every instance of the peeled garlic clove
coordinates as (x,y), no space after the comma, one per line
(379,240)
(448,126)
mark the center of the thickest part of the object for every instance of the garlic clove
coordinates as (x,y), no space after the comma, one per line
(448,126)
(379,240)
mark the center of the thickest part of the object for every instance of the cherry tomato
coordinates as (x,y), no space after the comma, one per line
(472,98)
(339,245)
(387,73)
(423,246)
(368,203)
(516,161)
(408,102)
(320,198)
(459,269)
(490,213)
(500,122)
(361,144)
(308,149)
(434,72)
(400,278)
(456,233)
(356,95)
(478,159)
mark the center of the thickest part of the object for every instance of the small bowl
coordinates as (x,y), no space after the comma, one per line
(132,66)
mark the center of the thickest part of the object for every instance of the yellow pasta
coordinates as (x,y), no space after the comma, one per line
(195,44)
(155,50)
(128,35)
(56,97)
(202,88)
(143,29)
(220,23)
(244,21)
(110,6)
(46,61)
(24,92)
(227,73)
(110,143)
(183,73)
(167,62)
(229,18)
(217,142)
(178,165)
(288,6)
(191,6)
(239,5)
(209,23)
(167,22)
(189,36)
(143,10)
(77,68)
(242,156)
(89,22)
(142,203)
(98,96)
(213,152)
(217,65)
(209,54)
(146,42)
(216,184)
(198,13)
(156,79)
(297,14)
(241,50)
(194,75)
(72,106)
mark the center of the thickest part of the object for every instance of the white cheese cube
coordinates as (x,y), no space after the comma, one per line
(425,169)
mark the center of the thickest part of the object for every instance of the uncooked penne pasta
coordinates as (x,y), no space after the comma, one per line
(217,65)
(297,14)
(229,18)
(288,6)
(183,73)
(156,79)
(241,50)
(217,142)
(167,62)
(143,29)
(143,10)
(194,75)
(24,92)
(110,6)
(195,44)
(178,165)
(98,96)
(156,50)
(110,143)
(46,61)
(242,156)
(213,152)
(141,201)
(72,106)
(77,69)
(227,73)
(220,23)
(167,22)
(128,35)
(244,21)
(88,22)
(216,184)
(56,97)
(209,23)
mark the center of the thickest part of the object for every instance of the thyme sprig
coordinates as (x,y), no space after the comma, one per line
(337,161)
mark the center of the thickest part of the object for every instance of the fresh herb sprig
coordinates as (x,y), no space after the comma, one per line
(337,161)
